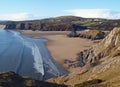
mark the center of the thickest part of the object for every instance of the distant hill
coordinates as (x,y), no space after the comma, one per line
(63,23)
(108,25)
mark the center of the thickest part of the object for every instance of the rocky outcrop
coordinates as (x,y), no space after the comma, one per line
(11,79)
(110,46)
(92,34)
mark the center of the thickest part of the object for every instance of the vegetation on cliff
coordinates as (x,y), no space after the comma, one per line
(88,34)
(11,79)
(63,23)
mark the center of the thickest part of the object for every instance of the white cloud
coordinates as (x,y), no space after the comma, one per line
(95,13)
(16,16)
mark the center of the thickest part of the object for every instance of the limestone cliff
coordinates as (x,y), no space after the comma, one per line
(109,46)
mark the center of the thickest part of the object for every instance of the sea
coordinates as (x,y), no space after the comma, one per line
(27,56)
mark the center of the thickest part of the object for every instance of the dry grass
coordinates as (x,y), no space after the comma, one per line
(90,32)
(110,75)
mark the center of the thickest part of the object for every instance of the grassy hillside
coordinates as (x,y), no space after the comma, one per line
(62,23)
(11,79)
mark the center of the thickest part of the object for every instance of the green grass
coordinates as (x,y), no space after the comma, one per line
(86,23)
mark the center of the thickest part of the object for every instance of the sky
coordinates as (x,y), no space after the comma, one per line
(18,10)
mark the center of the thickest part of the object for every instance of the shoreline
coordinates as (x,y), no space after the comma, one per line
(59,45)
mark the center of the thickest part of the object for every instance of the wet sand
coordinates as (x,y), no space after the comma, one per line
(59,45)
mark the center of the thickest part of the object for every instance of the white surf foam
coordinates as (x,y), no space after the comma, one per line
(28,42)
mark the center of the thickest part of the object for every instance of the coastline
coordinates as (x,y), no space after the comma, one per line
(40,66)
(59,45)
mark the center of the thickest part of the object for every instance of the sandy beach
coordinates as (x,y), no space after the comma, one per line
(59,45)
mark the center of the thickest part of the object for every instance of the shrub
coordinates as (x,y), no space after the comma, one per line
(89,83)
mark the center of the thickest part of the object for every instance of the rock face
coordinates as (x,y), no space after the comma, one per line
(92,34)
(44,26)
(110,44)
(108,47)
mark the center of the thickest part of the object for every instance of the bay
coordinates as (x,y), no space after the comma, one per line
(27,56)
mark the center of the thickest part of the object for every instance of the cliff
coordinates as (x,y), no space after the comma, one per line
(108,47)
(44,26)
(92,34)
(63,23)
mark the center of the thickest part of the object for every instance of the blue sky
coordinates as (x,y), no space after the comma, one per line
(37,9)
